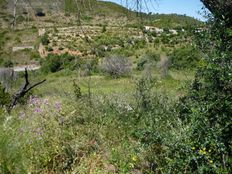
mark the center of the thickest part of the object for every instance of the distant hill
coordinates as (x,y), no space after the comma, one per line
(174,20)
(91,12)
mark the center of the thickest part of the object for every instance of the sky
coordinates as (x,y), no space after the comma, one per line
(188,7)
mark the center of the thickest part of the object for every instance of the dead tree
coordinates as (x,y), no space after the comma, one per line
(14,13)
(25,89)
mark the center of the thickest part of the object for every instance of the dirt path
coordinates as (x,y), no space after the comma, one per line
(29,68)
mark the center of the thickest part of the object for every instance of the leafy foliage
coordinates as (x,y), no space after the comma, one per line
(45,39)
(207,107)
(149,59)
(5,98)
(186,57)
(55,63)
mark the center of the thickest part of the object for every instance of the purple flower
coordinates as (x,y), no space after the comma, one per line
(34,100)
(38,110)
(58,106)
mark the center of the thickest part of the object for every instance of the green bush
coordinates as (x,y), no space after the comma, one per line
(5,98)
(150,58)
(45,39)
(207,108)
(186,57)
(8,64)
(54,63)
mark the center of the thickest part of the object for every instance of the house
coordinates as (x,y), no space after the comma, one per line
(153,29)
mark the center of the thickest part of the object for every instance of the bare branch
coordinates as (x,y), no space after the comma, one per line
(25,89)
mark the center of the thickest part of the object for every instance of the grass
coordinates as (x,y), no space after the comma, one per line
(115,130)
(61,83)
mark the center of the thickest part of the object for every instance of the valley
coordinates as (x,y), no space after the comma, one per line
(93,87)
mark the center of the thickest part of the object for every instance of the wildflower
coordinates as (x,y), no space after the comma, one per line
(193,148)
(58,106)
(134,158)
(34,100)
(202,152)
(211,161)
(38,110)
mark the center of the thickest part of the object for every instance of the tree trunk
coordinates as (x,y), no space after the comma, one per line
(14,13)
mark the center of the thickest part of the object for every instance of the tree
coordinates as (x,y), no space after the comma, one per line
(221,9)
(207,108)
(14,13)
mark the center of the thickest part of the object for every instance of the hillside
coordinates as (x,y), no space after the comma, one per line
(90,12)
(60,22)
(93,88)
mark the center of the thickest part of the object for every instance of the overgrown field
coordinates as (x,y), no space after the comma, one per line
(119,96)
(92,125)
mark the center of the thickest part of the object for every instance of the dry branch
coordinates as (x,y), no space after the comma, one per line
(25,89)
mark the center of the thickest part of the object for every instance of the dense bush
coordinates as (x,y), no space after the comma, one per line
(207,108)
(54,63)
(5,98)
(185,57)
(45,39)
(116,66)
(8,64)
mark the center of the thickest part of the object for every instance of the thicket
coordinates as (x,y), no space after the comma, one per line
(185,57)
(148,59)
(146,133)
(206,109)
(55,63)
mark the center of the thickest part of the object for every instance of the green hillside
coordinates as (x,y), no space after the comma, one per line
(91,12)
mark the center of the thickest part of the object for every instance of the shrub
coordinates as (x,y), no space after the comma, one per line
(185,57)
(150,58)
(4,97)
(116,66)
(8,64)
(77,90)
(103,28)
(45,39)
(54,63)
(206,109)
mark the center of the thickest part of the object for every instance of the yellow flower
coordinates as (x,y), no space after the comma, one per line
(204,149)
(134,158)
(193,148)
(211,162)
(210,150)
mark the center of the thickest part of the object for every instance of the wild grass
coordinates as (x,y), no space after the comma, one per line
(107,133)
